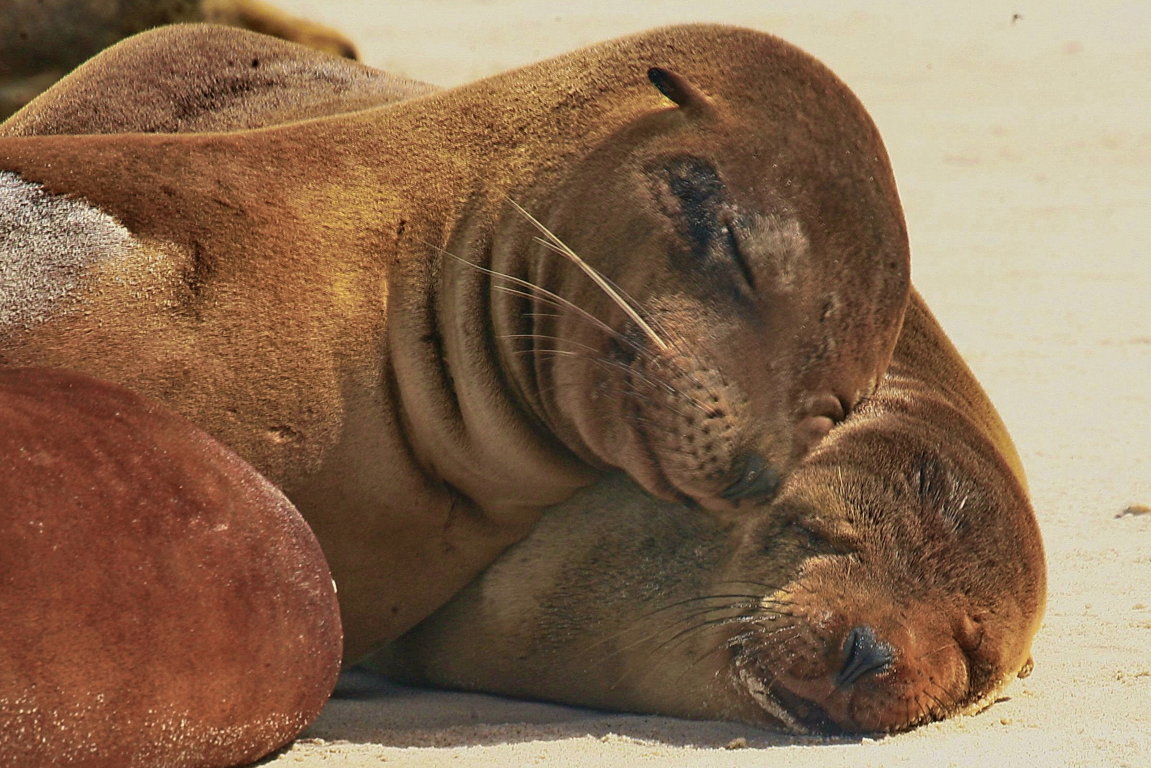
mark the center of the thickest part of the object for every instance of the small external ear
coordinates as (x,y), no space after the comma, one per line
(680,90)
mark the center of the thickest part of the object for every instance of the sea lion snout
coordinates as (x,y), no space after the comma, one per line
(863,655)
(867,662)
(756,480)
(719,418)
(697,434)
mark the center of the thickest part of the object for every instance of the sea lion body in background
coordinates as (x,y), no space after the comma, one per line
(898,578)
(267,19)
(41,40)
(354,305)
(164,605)
(196,78)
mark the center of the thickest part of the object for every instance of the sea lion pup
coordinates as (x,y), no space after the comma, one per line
(898,578)
(164,605)
(359,307)
(196,78)
(41,40)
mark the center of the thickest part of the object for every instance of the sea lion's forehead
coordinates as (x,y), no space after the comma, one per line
(889,502)
(861,470)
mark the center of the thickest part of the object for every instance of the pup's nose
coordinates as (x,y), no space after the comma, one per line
(863,655)
(756,481)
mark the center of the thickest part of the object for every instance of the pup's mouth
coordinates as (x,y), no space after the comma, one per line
(769,701)
(795,714)
(802,716)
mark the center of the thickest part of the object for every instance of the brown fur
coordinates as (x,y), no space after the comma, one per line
(197,78)
(41,40)
(164,605)
(910,521)
(289,290)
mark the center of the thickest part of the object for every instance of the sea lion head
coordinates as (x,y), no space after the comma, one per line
(748,221)
(898,579)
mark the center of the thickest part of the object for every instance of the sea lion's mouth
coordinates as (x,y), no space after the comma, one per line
(768,700)
(851,696)
(751,480)
(692,435)
(809,714)
(755,482)
(795,713)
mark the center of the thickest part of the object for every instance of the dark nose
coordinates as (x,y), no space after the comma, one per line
(756,480)
(863,655)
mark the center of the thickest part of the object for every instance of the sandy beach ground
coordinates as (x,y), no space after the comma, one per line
(1021,139)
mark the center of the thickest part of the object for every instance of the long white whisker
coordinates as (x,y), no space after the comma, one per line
(558,245)
(653,322)
(543,294)
(536,291)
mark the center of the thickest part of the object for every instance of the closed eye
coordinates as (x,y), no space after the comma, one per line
(796,529)
(730,235)
(810,539)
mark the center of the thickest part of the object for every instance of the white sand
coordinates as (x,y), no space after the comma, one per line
(1023,154)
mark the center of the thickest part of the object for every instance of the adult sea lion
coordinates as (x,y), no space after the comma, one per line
(164,605)
(355,305)
(897,578)
(41,40)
